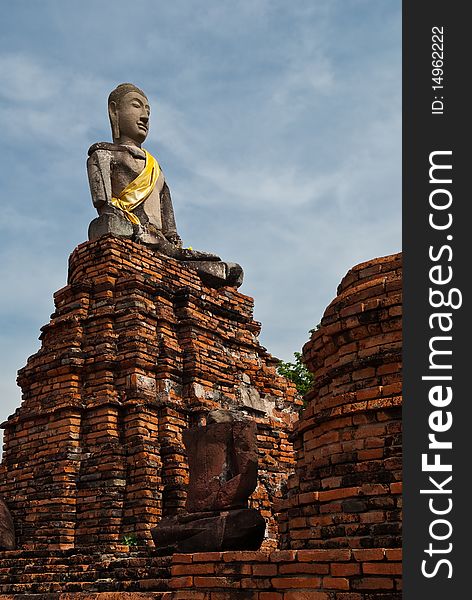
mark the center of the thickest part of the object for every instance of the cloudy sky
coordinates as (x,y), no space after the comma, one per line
(277,125)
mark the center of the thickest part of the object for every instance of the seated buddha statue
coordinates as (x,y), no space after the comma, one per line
(222,461)
(131,195)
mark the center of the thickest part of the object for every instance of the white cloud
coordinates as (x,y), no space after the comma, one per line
(47,103)
(24,80)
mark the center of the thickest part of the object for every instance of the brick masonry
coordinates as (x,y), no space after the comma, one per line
(136,351)
(52,573)
(346,490)
(341,574)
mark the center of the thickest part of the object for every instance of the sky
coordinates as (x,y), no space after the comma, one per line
(277,124)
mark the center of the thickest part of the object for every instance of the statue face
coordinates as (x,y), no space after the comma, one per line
(132,115)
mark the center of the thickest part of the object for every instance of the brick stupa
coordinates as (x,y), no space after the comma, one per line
(137,350)
(346,490)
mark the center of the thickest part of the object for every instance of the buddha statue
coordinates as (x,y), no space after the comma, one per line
(222,460)
(131,195)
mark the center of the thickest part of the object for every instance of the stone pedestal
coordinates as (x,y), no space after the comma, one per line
(238,529)
(137,350)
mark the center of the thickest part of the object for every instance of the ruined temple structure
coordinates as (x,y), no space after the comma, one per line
(137,352)
(151,411)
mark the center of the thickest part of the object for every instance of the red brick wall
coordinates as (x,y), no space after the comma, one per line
(346,491)
(135,352)
(342,574)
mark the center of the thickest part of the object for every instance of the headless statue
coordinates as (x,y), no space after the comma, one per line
(222,460)
(131,195)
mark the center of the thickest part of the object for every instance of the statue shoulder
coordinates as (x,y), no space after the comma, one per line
(113,148)
(107,146)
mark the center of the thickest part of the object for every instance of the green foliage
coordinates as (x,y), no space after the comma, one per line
(297,372)
(130,540)
(315,328)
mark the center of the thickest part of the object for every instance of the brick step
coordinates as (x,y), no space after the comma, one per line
(90,596)
(41,572)
(39,589)
(119,570)
(78,559)
(72,575)
(100,585)
(13,562)
(81,577)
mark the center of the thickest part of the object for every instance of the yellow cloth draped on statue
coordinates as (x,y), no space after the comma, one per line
(136,192)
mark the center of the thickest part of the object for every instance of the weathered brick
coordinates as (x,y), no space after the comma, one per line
(382,568)
(369,554)
(304,595)
(256,584)
(393,554)
(345,569)
(193,569)
(271,596)
(298,568)
(181,582)
(216,582)
(206,557)
(283,556)
(343,554)
(267,570)
(295,582)
(372,583)
(336,583)
(246,555)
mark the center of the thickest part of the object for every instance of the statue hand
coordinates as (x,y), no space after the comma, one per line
(188,254)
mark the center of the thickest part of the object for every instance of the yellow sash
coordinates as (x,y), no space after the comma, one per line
(136,192)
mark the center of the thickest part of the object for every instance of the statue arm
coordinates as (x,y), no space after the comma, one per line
(169,227)
(99,176)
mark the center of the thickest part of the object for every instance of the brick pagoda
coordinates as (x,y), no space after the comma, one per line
(137,350)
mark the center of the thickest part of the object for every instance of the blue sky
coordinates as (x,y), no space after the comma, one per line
(278,126)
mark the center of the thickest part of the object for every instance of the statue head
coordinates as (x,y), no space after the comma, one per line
(128,109)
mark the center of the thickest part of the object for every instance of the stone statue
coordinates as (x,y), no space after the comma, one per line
(131,195)
(222,459)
